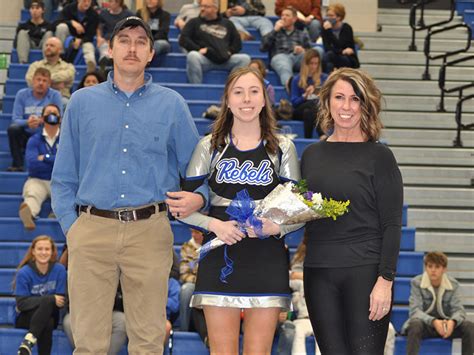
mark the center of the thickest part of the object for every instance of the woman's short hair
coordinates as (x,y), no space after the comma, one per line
(436,257)
(370,101)
(338,9)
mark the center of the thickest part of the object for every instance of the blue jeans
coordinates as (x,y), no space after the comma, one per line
(196,64)
(285,64)
(184,310)
(262,24)
(286,333)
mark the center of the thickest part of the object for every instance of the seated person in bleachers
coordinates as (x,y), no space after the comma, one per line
(212,42)
(186,13)
(304,91)
(91,79)
(159,22)
(49,7)
(259,65)
(338,40)
(286,45)
(249,13)
(108,18)
(62,72)
(26,117)
(40,154)
(309,15)
(39,289)
(119,334)
(32,33)
(172,306)
(80,20)
(436,309)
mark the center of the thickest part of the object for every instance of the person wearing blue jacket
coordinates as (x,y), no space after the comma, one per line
(40,155)
(39,289)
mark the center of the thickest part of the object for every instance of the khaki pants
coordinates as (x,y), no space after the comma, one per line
(102,251)
(35,192)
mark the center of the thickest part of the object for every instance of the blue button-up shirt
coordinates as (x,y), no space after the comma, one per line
(117,151)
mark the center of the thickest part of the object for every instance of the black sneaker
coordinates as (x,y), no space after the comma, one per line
(25,348)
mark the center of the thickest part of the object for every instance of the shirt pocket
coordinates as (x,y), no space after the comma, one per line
(156,138)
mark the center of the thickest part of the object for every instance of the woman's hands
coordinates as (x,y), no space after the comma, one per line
(380,299)
(268,228)
(228,231)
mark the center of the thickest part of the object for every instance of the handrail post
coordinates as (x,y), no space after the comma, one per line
(442,80)
(412,46)
(457,143)
(426,75)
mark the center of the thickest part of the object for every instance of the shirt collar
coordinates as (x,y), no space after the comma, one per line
(140,90)
(45,134)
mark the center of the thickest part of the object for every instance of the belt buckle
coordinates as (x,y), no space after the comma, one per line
(120,218)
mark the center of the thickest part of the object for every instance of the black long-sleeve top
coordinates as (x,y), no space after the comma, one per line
(366,174)
(219,36)
(159,23)
(337,44)
(90,21)
(35,32)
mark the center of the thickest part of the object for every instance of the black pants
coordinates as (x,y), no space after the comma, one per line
(332,60)
(198,323)
(307,112)
(17,138)
(41,322)
(418,330)
(338,305)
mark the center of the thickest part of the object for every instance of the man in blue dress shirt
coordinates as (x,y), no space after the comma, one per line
(124,145)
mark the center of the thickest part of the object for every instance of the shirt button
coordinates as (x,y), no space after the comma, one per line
(128,104)
(122,196)
(116,92)
(126,126)
(140,94)
(123,172)
(124,150)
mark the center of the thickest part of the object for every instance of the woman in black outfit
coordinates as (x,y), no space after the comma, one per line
(350,263)
(338,40)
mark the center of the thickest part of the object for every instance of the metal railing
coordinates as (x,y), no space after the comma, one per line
(420,26)
(460,126)
(427,47)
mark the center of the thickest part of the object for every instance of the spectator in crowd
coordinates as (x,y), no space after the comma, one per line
(153,124)
(91,79)
(286,45)
(108,18)
(40,155)
(26,118)
(172,306)
(80,20)
(338,40)
(186,13)
(32,33)
(62,72)
(118,336)
(308,13)
(39,289)
(436,309)
(249,13)
(48,5)
(304,92)
(212,42)
(348,290)
(259,65)
(285,331)
(159,22)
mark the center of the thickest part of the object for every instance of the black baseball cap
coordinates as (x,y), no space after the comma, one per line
(132,21)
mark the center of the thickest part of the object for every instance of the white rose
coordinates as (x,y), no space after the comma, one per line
(317,199)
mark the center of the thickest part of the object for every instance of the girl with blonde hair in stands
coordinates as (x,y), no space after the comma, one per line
(39,289)
(304,92)
(159,21)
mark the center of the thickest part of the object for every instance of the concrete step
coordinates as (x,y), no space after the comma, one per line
(404,31)
(406,57)
(419,175)
(434,120)
(403,18)
(467,293)
(461,267)
(403,72)
(459,242)
(418,87)
(6,46)
(433,218)
(423,103)
(426,138)
(439,197)
(434,156)
(393,11)
(399,44)
(7,32)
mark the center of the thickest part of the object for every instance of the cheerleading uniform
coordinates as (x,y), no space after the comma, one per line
(260,266)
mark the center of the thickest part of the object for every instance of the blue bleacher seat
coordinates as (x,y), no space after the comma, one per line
(436,346)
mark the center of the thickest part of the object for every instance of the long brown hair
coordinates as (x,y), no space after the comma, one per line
(223,125)
(370,101)
(304,71)
(30,257)
(300,251)
(145,11)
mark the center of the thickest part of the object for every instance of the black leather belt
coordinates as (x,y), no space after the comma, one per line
(125,215)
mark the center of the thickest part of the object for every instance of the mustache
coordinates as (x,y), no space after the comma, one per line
(131,57)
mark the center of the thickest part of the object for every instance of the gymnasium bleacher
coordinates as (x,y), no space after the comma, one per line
(438,179)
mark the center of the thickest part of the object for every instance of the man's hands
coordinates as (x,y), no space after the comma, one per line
(60,300)
(182,203)
(78,27)
(34,121)
(235,11)
(444,327)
